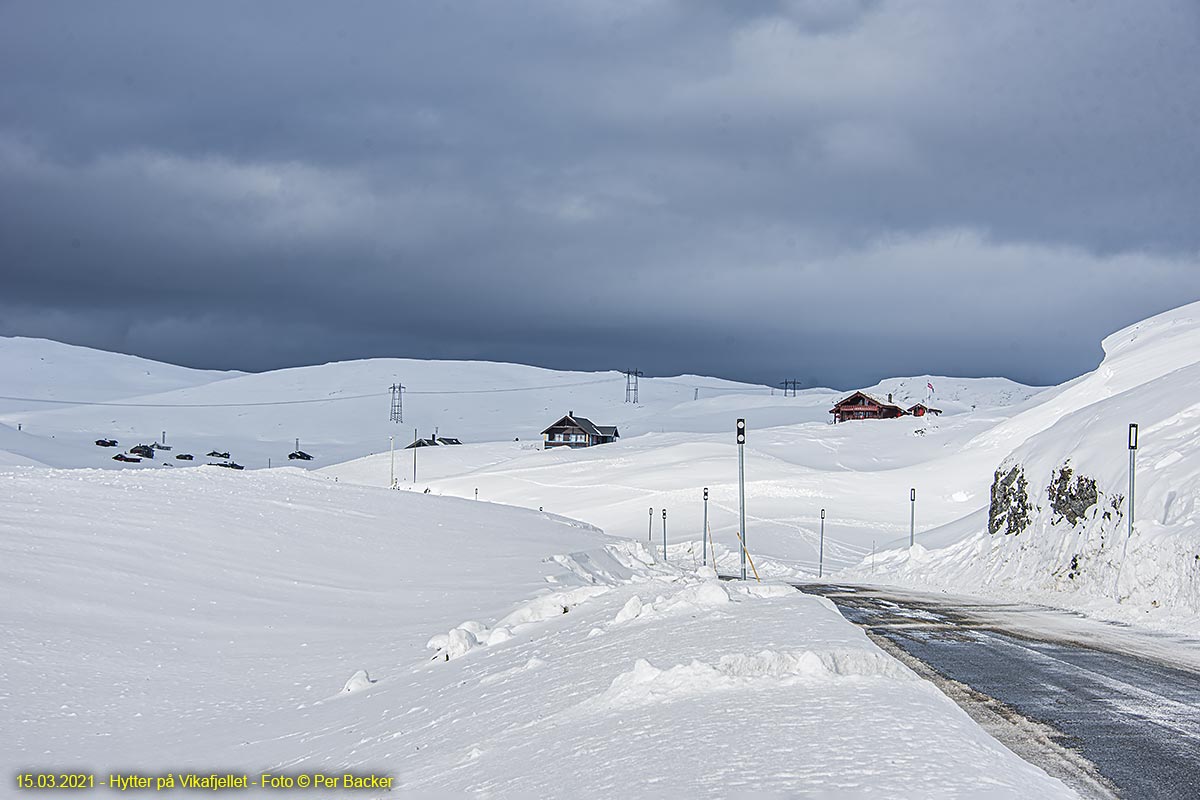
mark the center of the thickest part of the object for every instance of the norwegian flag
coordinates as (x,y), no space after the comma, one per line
(930,385)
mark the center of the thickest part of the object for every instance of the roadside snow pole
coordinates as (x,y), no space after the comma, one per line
(664,534)
(650,528)
(415,457)
(912,518)
(392,475)
(704,532)
(741,443)
(476,492)
(821,551)
(1133,443)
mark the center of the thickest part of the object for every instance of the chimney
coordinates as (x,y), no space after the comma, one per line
(570,413)
(889,397)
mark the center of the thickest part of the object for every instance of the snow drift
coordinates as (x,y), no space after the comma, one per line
(1056,525)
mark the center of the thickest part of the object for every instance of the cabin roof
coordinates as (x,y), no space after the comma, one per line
(875,400)
(582,423)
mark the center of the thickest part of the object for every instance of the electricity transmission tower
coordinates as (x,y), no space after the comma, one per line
(397,403)
(789,387)
(631,384)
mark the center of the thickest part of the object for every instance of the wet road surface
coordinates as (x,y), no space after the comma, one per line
(1127,700)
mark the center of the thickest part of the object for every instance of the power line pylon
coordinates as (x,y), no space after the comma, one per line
(631,384)
(790,387)
(397,403)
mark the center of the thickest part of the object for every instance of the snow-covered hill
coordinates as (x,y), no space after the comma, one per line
(341,410)
(48,370)
(1059,501)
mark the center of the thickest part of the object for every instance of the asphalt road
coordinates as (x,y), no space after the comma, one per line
(1127,701)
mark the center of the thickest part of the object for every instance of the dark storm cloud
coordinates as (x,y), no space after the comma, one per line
(842,191)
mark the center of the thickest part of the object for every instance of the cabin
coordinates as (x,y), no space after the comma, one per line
(299,455)
(433,441)
(229,465)
(573,431)
(184,456)
(861,405)
(920,410)
(126,459)
(106,443)
(217,454)
(145,451)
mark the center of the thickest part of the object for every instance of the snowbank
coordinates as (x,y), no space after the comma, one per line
(176,620)
(1058,519)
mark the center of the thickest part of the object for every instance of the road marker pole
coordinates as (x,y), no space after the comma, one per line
(1133,445)
(821,556)
(392,474)
(704,532)
(912,519)
(741,443)
(650,529)
(664,534)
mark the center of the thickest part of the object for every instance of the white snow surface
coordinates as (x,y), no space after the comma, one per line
(340,411)
(285,619)
(1149,375)
(281,621)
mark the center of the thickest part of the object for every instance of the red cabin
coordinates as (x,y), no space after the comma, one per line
(920,410)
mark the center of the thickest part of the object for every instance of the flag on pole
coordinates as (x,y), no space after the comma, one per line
(930,385)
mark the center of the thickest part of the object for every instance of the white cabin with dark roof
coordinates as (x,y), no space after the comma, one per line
(573,431)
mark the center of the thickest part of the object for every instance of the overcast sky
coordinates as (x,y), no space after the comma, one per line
(831,191)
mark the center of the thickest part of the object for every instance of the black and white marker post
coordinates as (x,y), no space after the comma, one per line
(912,518)
(821,548)
(650,528)
(664,535)
(741,443)
(1133,444)
(704,532)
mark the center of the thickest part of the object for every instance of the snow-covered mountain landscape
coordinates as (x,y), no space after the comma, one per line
(513,605)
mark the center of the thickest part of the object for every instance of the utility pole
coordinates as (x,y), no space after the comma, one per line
(665,536)
(397,391)
(821,555)
(704,532)
(392,474)
(741,443)
(912,518)
(631,384)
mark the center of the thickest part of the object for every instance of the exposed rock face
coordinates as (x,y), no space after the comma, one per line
(1010,507)
(1071,496)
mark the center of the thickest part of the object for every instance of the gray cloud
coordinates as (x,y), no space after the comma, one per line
(836,190)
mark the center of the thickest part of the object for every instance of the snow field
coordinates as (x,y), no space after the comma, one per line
(278,621)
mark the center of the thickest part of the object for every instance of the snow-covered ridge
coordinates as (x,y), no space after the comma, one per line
(1068,541)
(341,410)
